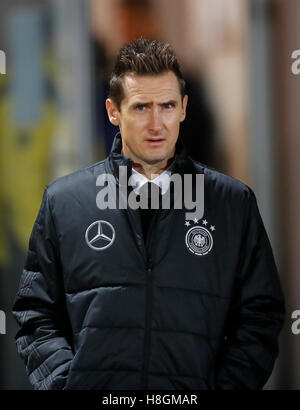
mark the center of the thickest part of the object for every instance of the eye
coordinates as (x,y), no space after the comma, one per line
(169,105)
(140,107)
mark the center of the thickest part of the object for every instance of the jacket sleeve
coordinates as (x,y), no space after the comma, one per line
(256,313)
(40,310)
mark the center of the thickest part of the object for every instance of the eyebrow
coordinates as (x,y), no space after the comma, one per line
(150,103)
(170,102)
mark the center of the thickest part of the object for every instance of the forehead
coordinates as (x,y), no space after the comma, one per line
(150,87)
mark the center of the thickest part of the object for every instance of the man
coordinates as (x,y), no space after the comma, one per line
(139,18)
(131,299)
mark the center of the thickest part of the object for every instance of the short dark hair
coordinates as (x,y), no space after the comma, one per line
(144,5)
(143,57)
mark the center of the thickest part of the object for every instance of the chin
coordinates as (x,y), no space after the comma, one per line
(154,158)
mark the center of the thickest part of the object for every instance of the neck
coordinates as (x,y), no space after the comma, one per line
(152,170)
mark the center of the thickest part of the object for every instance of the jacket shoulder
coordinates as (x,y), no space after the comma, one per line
(222,184)
(75,181)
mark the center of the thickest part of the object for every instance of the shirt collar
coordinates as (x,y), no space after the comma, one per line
(137,180)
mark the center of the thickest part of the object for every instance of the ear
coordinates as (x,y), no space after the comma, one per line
(112,111)
(183,108)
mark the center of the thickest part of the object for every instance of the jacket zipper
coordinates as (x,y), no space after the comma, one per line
(149,296)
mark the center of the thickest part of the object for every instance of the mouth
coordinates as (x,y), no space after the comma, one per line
(155,142)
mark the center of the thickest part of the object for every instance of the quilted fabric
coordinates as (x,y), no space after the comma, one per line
(152,315)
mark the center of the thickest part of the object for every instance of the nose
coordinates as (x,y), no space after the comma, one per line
(155,121)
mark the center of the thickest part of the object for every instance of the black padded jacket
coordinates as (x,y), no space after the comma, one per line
(198,306)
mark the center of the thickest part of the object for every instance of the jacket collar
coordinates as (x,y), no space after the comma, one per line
(182,164)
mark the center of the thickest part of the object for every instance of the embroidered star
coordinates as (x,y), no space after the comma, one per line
(195,220)
(187,223)
(212,228)
(205,222)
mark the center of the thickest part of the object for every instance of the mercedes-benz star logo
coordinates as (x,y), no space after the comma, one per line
(100,235)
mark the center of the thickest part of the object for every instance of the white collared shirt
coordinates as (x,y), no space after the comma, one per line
(137,180)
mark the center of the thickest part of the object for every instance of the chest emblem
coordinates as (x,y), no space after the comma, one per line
(199,239)
(100,235)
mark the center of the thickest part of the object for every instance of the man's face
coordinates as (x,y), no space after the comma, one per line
(149,116)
